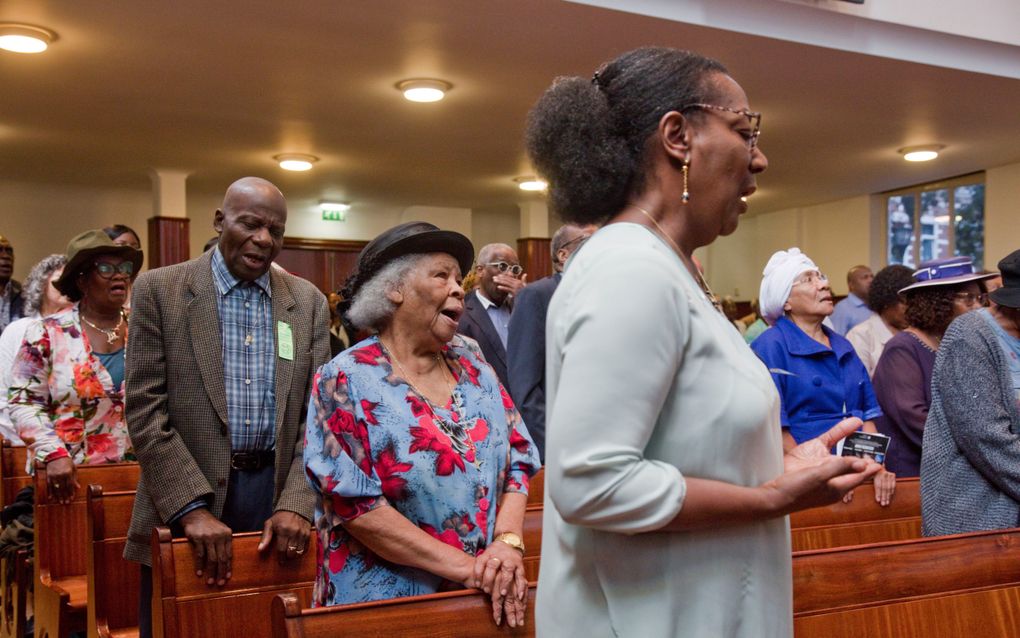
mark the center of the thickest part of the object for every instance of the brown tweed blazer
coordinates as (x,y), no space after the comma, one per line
(176,405)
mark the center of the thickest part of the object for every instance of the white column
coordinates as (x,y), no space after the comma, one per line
(169,193)
(534,219)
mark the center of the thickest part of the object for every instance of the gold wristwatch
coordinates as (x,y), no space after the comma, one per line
(511,539)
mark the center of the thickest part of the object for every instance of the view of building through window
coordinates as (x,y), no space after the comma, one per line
(935,221)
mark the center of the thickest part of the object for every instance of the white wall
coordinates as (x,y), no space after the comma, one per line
(1002,212)
(39,219)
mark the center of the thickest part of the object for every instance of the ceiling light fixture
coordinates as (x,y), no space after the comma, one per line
(424,90)
(295,161)
(530,183)
(924,153)
(343,207)
(25,38)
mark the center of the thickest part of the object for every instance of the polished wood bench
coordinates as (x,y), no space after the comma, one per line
(112,581)
(14,592)
(960,585)
(185,607)
(536,488)
(62,551)
(861,521)
(465,614)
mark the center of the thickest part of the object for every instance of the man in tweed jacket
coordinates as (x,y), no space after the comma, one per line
(187,363)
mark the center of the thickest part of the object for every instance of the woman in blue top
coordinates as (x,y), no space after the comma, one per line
(820,378)
(419,458)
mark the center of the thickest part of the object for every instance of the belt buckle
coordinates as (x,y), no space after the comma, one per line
(244,461)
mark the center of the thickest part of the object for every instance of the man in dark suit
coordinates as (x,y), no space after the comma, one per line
(526,339)
(486,317)
(222,353)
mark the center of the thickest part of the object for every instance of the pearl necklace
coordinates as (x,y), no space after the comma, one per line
(712,299)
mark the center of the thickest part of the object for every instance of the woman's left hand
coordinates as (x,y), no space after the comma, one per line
(499,571)
(885,487)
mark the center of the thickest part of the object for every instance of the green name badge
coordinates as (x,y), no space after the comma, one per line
(285,340)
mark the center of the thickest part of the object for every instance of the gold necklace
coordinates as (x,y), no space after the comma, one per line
(712,299)
(111,334)
(407,377)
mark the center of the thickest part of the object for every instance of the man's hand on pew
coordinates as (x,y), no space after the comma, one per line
(62,480)
(291,531)
(813,476)
(211,540)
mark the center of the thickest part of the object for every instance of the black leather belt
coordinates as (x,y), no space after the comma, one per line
(252,461)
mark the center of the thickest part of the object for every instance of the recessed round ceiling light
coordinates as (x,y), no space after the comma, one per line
(296,161)
(25,38)
(424,90)
(530,183)
(924,153)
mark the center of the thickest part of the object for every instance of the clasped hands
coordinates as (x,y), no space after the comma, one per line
(499,572)
(211,540)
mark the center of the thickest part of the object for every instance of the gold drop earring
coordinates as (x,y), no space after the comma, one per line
(686,196)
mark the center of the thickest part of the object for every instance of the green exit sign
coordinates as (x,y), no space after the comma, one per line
(333,215)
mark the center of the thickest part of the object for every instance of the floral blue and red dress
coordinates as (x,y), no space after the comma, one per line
(371,439)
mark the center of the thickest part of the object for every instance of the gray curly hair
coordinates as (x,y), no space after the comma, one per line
(34,290)
(371,309)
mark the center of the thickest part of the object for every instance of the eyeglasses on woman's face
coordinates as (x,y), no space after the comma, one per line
(753,119)
(971,299)
(502,266)
(106,270)
(811,277)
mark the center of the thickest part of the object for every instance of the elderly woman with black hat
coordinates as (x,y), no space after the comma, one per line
(67,385)
(421,460)
(970,456)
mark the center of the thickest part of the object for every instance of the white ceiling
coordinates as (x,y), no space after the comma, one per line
(218,88)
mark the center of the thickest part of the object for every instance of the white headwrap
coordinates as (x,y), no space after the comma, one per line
(777,281)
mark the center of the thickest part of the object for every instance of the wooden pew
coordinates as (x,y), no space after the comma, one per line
(62,551)
(112,581)
(185,607)
(961,585)
(465,614)
(13,592)
(862,521)
(536,489)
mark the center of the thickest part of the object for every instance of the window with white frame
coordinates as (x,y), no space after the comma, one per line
(937,220)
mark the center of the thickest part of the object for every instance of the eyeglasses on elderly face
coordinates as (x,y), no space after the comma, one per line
(579,240)
(753,118)
(502,266)
(107,270)
(972,299)
(811,277)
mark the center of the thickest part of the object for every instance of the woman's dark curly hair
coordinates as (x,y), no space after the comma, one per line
(587,137)
(886,286)
(931,309)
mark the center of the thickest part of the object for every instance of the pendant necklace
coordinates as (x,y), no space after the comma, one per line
(712,299)
(112,334)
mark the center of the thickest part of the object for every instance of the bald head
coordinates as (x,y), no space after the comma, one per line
(251,224)
(858,280)
(488,275)
(567,239)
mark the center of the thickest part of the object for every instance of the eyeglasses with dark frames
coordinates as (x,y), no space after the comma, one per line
(502,266)
(579,240)
(753,117)
(107,270)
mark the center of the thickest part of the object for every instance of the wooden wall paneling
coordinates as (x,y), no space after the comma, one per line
(168,241)
(308,264)
(324,262)
(535,258)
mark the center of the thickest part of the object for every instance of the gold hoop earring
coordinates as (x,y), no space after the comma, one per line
(686,196)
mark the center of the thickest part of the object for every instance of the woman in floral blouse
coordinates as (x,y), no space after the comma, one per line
(67,387)
(421,460)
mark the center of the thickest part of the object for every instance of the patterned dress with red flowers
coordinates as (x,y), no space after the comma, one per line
(62,400)
(372,439)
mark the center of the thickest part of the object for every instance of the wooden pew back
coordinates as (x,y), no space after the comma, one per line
(466,614)
(13,474)
(536,488)
(905,504)
(184,606)
(13,592)
(112,581)
(829,580)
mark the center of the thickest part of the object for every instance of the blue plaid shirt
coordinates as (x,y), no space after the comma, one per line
(249,357)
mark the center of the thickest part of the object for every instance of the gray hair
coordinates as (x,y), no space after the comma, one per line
(34,290)
(371,309)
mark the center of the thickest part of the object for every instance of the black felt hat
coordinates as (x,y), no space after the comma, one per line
(81,250)
(1009,294)
(411,238)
